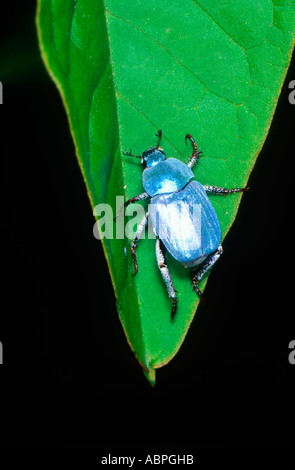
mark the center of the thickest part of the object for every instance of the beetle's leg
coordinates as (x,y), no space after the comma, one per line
(136,238)
(203,268)
(160,255)
(140,197)
(218,190)
(195,155)
(159,134)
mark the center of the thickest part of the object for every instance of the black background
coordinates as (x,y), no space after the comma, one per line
(69,379)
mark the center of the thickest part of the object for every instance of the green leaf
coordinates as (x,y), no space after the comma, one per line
(126,69)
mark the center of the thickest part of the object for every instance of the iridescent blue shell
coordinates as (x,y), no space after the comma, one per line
(185,221)
(167,176)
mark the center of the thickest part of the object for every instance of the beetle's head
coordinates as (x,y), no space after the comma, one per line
(152,156)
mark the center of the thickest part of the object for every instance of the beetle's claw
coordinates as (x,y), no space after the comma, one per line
(198,292)
(174,307)
(134,261)
(127,153)
(136,269)
(202,299)
(159,133)
(188,136)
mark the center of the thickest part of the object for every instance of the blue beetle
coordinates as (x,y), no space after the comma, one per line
(190,239)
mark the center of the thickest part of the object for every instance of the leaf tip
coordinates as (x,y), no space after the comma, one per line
(150,375)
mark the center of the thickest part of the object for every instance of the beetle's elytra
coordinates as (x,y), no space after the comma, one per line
(193,241)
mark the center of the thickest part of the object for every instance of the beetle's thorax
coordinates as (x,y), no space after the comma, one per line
(166,176)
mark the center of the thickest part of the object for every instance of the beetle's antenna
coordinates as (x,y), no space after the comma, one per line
(129,154)
(159,134)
